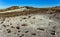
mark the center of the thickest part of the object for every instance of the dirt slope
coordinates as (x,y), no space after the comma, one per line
(30,23)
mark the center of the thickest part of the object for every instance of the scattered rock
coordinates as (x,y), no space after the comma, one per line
(4,25)
(33,17)
(33,33)
(12,27)
(18,31)
(53,33)
(26,31)
(8,30)
(25,18)
(40,29)
(2,22)
(24,25)
(18,27)
(10,23)
(29,16)
(20,36)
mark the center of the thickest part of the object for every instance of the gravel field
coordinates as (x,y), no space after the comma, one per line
(33,25)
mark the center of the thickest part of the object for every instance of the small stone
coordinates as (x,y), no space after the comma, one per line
(8,30)
(26,31)
(10,23)
(29,16)
(20,20)
(7,20)
(18,27)
(53,33)
(24,24)
(1,22)
(40,29)
(18,31)
(4,25)
(33,33)
(33,17)
(24,18)
(54,27)
(40,19)
(20,36)
(12,27)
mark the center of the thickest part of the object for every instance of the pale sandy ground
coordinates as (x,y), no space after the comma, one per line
(38,25)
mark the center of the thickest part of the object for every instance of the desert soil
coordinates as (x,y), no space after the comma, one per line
(31,25)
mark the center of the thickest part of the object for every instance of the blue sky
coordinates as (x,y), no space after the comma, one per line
(34,3)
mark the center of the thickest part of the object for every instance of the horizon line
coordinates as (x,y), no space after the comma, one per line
(32,6)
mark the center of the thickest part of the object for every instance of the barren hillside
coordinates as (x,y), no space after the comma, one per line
(30,22)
